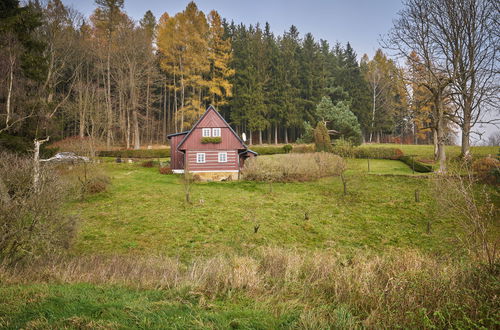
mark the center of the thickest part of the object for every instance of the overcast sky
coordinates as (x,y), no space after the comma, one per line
(361,22)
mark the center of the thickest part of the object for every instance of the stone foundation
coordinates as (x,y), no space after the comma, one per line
(215,176)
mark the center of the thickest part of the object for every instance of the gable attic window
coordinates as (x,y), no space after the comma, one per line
(205,132)
(216,132)
(200,157)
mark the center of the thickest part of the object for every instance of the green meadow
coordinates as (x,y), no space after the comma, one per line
(255,255)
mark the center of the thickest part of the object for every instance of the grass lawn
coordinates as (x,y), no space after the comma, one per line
(85,306)
(144,213)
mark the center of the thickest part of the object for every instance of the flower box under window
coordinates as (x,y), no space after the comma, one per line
(208,139)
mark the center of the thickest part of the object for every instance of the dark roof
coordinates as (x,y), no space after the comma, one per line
(201,118)
(175,134)
(252,152)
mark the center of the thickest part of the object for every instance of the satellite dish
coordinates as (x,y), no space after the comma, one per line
(244,137)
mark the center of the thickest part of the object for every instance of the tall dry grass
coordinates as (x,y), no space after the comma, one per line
(293,167)
(400,289)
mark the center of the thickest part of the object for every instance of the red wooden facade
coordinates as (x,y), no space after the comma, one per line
(188,150)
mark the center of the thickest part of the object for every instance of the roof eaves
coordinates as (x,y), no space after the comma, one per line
(176,134)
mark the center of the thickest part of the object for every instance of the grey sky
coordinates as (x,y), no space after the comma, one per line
(360,22)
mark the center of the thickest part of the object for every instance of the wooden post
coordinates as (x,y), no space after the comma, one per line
(344,182)
(417,195)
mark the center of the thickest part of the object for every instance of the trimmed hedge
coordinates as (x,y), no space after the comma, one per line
(141,153)
(268,150)
(416,165)
(378,153)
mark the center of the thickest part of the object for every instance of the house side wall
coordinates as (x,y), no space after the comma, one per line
(212,161)
(176,157)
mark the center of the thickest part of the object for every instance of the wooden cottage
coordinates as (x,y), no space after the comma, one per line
(211,149)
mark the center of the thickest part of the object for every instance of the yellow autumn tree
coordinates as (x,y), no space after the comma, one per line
(421,104)
(183,43)
(219,57)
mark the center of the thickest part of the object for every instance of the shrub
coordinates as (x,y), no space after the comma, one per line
(417,165)
(303,148)
(165,170)
(141,153)
(321,138)
(31,220)
(148,163)
(343,148)
(487,169)
(287,148)
(97,184)
(293,167)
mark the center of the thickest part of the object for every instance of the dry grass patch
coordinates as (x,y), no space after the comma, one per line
(404,288)
(293,167)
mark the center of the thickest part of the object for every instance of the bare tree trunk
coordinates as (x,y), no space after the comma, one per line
(465,149)
(286,135)
(440,133)
(260,136)
(373,112)
(9,90)
(165,114)
(36,162)
(148,127)
(133,103)
(108,99)
(250,138)
(175,108)
(435,142)
(276,133)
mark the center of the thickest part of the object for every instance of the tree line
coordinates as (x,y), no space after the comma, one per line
(130,83)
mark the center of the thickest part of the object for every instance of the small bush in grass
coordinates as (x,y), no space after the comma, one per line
(293,167)
(487,169)
(287,148)
(165,170)
(303,148)
(148,163)
(97,184)
(344,148)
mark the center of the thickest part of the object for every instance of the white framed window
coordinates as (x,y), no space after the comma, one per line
(222,157)
(216,132)
(200,157)
(205,132)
